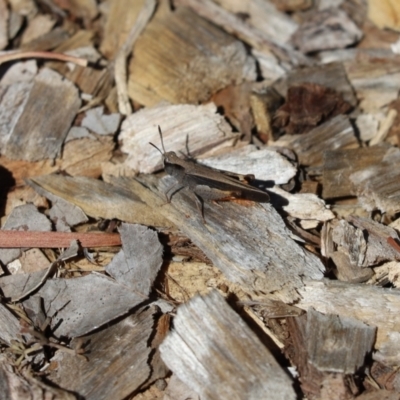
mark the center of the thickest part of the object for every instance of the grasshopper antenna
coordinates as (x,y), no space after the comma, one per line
(162,141)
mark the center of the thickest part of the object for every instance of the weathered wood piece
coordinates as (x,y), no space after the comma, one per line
(9,326)
(326,347)
(375,80)
(378,240)
(24,385)
(376,307)
(248,242)
(137,264)
(235,25)
(307,207)
(377,186)
(204,129)
(118,360)
(265,164)
(100,200)
(309,147)
(339,165)
(263,17)
(327,29)
(353,340)
(43,125)
(332,75)
(25,217)
(100,123)
(18,286)
(308,105)
(189,64)
(72,303)
(215,353)
(63,213)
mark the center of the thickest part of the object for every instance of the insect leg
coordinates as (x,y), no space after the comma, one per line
(173,190)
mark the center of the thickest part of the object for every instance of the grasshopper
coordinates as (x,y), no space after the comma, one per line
(207,183)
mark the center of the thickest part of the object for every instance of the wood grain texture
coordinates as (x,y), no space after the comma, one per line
(189,64)
(43,124)
(375,306)
(216,354)
(247,241)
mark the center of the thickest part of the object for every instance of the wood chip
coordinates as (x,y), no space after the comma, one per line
(16,287)
(124,345)
(327,29)
(9,325)
(100,200)
(43,125)
(138,264)
(230,363)
(26,218)
(189,66)
(376,307)
(71,303)
(204,128)
(234,239)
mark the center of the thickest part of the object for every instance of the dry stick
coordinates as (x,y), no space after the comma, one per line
(17,55)
(234,25)
(120,67)
(12,239)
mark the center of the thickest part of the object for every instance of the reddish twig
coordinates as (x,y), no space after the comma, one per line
(12,239)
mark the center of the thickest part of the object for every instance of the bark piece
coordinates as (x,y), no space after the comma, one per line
(308,105)
(16,287)
(376,307)
(305,206)
(323,348)
(377,186)
(376,81)
(115,368)
(264,103)
(339,165)
(327,29)
(23,385)
(264,164)
(190,64)
(263,17)
(350,241)
(43,124)
(214,352)
(100,123)
(31,260)
(100,200)
(331,75)
(140,259)
(25,217)
(72,303)
(333,134)
(379,246)
(236,25)
(353,340)
(247,241)
(348,272)
(201,126)
(62,213)
(9,326)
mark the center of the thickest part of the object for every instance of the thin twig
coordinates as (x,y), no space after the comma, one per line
(18,55)
(16,239)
